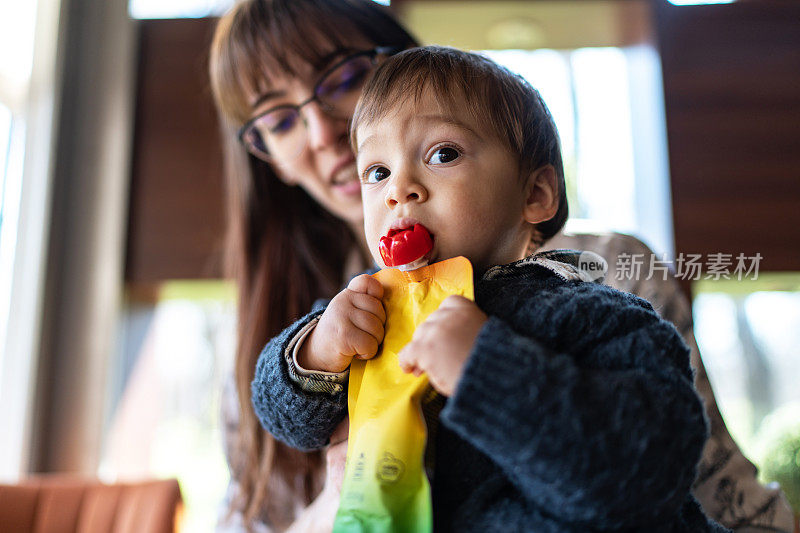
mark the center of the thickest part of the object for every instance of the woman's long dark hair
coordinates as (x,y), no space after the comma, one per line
(284,250)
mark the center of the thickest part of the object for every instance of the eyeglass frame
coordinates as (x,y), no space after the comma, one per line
(373,53)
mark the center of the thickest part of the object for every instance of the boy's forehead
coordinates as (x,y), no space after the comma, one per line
(427,110)
(374,134)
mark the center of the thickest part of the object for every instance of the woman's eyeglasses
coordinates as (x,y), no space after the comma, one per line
(281,133)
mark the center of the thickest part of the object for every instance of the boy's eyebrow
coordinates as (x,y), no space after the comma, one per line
(365,142)
(448,119)
(440,118)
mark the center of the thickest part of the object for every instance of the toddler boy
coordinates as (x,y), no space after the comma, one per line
(570,406)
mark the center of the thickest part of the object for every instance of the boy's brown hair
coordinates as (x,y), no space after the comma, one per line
(503,103)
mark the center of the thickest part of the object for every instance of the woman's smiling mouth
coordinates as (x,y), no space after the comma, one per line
(343,178)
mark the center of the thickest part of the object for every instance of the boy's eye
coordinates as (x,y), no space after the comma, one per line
(376,174)
(443,155)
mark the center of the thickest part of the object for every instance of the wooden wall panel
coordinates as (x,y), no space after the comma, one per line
(176,218)
(732,97)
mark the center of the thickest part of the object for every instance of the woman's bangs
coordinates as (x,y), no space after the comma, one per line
(258,43)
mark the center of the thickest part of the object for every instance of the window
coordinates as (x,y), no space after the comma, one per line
(25,141)
(167,9)
(176,353)
(9,206)
(16,56)
(162,9)
(608,108)
(699,2)
(748,334)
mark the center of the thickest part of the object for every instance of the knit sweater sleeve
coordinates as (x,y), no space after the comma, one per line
(584,397)
(302,419)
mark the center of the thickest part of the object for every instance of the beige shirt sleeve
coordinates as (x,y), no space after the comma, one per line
(311,380)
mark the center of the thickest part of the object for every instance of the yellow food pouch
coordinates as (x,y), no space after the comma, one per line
(385,488)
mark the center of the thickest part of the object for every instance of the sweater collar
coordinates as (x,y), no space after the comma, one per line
(569,265)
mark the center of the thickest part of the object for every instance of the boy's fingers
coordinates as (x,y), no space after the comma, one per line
(369,304)
(368,323)
(454,301)
(366,284)
(406,366)
(412,369)
(363,344)
(406,360)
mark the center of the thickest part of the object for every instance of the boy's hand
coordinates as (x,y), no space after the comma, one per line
(440,345)
(351,326)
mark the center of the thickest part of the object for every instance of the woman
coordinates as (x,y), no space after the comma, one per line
(285,76)
(294,204)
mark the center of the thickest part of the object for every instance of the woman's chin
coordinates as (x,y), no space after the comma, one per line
(348,209)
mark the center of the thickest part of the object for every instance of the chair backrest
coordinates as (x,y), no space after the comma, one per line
(59,504)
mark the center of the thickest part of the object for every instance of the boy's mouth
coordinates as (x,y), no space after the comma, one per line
(403,246)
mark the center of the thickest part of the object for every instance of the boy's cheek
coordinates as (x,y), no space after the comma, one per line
(376,256)
(371,234)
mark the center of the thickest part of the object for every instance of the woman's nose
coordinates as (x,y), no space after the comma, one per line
(323,129)
(405,189)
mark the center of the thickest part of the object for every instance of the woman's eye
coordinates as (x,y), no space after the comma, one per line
(346,81)
(284,125)
(443,155)
(280,121)
(376,174)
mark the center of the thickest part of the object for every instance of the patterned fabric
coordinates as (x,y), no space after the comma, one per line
(308,380)
(726,484)
(567,264)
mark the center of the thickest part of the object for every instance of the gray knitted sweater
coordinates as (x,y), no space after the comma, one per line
(575,412)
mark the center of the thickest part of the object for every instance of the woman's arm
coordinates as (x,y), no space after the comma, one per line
(607,429)
(284,401)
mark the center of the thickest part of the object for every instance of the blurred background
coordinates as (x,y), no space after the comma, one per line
(680,124)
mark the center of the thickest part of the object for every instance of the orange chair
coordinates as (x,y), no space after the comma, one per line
(56,504)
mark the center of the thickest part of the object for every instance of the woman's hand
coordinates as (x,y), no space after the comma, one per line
(320,515)
(351,326)
(440,345)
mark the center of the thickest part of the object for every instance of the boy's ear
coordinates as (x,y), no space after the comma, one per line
(541,195)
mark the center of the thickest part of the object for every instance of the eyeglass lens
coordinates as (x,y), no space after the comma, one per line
(282,133)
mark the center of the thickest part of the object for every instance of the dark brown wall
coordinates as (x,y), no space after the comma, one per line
(732,96)
(176,201)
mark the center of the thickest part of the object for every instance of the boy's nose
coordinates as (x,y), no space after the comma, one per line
(323,129)
(404,190)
